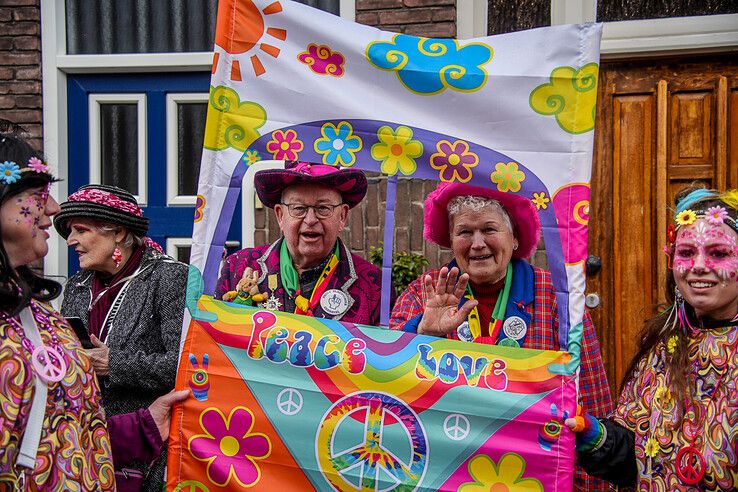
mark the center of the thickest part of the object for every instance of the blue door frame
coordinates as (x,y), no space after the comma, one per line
(174,221)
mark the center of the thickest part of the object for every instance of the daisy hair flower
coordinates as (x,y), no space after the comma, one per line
(9,172)
(686,217)
(716,215)
(37,165)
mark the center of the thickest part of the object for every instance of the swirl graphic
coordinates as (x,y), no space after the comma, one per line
(429,66)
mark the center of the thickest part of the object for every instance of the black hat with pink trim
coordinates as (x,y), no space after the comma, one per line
(103,203)
(270,183)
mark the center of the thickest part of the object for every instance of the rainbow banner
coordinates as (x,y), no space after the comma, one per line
(301,403)
(286,402)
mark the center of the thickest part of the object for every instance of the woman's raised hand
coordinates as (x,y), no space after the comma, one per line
(441,314)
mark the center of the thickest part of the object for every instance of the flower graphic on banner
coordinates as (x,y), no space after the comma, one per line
(251,157)
(571,96)
(338,145)
(229,446)
(322,60)
(428,66)
(284,146)
(454,161)
(540,200)
(231,123)
(199,208)
(507,177)
(9,172)
(507,474)
(397,150)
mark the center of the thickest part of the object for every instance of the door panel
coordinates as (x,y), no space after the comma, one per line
(661,124)
(167,220)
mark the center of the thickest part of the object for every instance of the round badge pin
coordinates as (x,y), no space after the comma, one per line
(464,332)
(514,327)
(334,302)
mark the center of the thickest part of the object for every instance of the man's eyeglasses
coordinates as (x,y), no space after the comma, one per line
(299,211)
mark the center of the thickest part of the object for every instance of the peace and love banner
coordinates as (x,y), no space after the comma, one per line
(513,112)
(287,402)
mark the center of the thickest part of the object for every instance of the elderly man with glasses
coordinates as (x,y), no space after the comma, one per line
(308,270)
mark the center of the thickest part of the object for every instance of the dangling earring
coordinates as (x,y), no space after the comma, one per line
(117,256)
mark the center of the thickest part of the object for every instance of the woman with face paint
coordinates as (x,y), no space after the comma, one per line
(53,431)
(676,423)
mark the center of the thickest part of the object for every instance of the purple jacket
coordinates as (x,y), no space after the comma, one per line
(133,437)
(355,276)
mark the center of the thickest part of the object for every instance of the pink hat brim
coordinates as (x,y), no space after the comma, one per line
(350,183)
(522,212)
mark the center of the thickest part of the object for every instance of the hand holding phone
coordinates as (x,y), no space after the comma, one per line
(81,331)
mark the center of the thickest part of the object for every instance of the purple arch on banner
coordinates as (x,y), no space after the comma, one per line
(367,131)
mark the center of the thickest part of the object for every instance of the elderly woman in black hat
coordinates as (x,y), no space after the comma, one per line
(308,270)
(129,296)
(54,434)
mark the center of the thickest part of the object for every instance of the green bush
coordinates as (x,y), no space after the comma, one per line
(406,267)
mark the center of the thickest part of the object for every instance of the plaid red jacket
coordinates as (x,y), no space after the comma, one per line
(594,391)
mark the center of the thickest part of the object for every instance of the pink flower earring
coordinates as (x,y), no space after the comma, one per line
(117,256)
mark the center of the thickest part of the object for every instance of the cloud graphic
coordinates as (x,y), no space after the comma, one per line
(571,95)
(428,66)
(231,123)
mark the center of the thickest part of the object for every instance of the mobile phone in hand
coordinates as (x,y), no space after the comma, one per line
(81,331)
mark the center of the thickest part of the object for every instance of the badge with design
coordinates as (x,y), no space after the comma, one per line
(514,327)
(272,303)
(509,342)
(334,302)
(464,332)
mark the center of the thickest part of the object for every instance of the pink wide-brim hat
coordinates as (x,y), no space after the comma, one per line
(270,183)
(522,212)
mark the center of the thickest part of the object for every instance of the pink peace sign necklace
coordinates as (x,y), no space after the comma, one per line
(690,464)
(49,362)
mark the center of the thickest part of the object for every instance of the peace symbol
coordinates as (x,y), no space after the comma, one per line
(191,486)
(289,401)
(375,464)
(690,465)
(48,364)
(456,427)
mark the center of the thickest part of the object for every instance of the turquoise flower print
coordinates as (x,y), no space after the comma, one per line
(9,172)
(338,145)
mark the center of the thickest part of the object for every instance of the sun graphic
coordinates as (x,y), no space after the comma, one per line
(241,26)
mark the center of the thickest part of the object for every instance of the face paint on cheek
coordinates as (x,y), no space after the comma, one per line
(683,265)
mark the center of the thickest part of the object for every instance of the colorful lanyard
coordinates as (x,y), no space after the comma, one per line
(291,282)
(498,315)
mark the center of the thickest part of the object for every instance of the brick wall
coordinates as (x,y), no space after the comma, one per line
(429,18)
(20,65)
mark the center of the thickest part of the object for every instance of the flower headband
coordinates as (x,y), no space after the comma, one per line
(688,212)
(10,172)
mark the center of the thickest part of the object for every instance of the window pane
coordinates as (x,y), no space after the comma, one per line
(140,26)
(183,254)
(119,145)
(190,136)
(331,6)
(618,10)
(516,15)
(147,26)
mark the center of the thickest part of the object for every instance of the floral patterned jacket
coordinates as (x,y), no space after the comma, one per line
(356,277)
(74,449)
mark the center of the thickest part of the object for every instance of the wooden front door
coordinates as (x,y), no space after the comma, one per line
(661,124)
